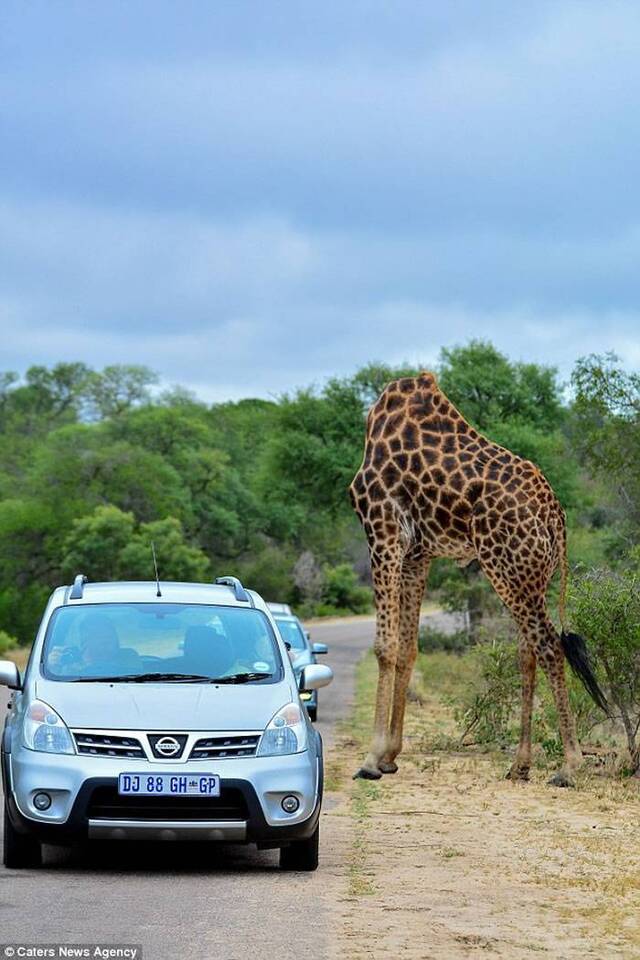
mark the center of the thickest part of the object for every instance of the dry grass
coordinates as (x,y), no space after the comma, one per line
(447,859)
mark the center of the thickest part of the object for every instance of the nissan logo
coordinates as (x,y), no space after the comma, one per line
(167,746)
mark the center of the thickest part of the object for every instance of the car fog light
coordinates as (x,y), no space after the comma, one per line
(42,801)
(290,804)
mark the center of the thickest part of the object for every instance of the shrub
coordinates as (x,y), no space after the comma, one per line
(269,571)
(488,706)
(430,640)
(605,609)
(7,642)
(488,709)
(342,591)
(465,591)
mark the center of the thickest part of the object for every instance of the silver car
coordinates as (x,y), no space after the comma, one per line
(160,712)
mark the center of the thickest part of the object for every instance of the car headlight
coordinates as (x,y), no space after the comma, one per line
(286,733)
(44,730)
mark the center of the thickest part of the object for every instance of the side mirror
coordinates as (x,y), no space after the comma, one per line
(9,675)
(314,676)
(319,648)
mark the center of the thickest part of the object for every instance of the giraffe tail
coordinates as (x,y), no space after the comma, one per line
(576,652)
(574,646)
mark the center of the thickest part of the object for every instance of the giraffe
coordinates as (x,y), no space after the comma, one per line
(432,486)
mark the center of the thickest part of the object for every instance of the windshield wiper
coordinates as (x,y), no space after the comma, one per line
(240,678)
(146,678)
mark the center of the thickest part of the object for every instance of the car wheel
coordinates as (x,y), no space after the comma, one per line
(301,854)
(313,713)
(19,850)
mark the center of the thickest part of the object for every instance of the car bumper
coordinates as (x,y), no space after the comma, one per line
(85,803)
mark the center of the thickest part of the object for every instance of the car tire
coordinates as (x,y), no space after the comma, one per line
(313,713)
(301,854)
(19,851)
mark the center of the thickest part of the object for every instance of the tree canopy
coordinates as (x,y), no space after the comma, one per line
(95,465)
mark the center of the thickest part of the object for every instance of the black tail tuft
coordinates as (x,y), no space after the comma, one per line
(575,650)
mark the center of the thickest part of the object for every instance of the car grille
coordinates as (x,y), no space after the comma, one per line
(107,804)
(218,748)
(108,745)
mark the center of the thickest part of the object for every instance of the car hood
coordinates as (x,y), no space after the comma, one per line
(165,706)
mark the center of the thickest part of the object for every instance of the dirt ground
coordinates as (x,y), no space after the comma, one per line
(446,859)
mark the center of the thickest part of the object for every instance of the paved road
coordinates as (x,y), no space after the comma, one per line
(185,901)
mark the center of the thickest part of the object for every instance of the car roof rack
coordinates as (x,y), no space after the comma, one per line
(238,590)
(78,587)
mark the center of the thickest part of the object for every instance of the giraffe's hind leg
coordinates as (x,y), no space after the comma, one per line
(525,596)
(522,762)
(412,582)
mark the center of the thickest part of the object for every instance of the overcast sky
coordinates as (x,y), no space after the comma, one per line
(251,195)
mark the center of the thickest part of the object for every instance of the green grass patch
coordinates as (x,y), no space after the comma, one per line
(363,795)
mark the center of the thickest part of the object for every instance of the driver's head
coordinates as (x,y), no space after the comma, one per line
(99,639)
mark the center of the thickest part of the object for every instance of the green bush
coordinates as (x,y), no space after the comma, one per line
(605,609)
(269,571)
(488,711)
(430,640)
(7,642)
(343,592)
(465,590)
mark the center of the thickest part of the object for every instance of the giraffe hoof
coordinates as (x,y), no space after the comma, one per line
(517,773)
(561,779)
(387,766)
(364,774)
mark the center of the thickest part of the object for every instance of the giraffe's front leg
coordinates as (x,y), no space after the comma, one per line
(370,769)
(387,763)
(413,578)
(385,571)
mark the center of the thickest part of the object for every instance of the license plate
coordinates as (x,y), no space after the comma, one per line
(169,785)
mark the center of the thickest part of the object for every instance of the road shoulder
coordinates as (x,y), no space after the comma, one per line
(446,858)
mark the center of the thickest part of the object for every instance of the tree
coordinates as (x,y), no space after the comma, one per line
(605,608)
(119,388)
(223,513)
(342,590)
(28,564)
(107,545)
(79,467)
(311,457)
(488,388)
(48,398)
(607,430)
(177,559)
(95,543)
(308,577)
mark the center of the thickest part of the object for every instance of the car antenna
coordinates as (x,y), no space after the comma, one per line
(155,567)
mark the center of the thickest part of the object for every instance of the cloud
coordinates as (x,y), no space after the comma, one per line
(248,200)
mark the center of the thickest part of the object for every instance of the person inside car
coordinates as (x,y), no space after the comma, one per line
(97,653)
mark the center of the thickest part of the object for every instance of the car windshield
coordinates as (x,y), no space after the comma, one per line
(292,633)
(145,639)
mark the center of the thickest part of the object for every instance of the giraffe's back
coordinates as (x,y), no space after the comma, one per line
(428,477)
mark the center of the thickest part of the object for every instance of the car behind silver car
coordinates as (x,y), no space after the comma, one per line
(174,716)
(302,651)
